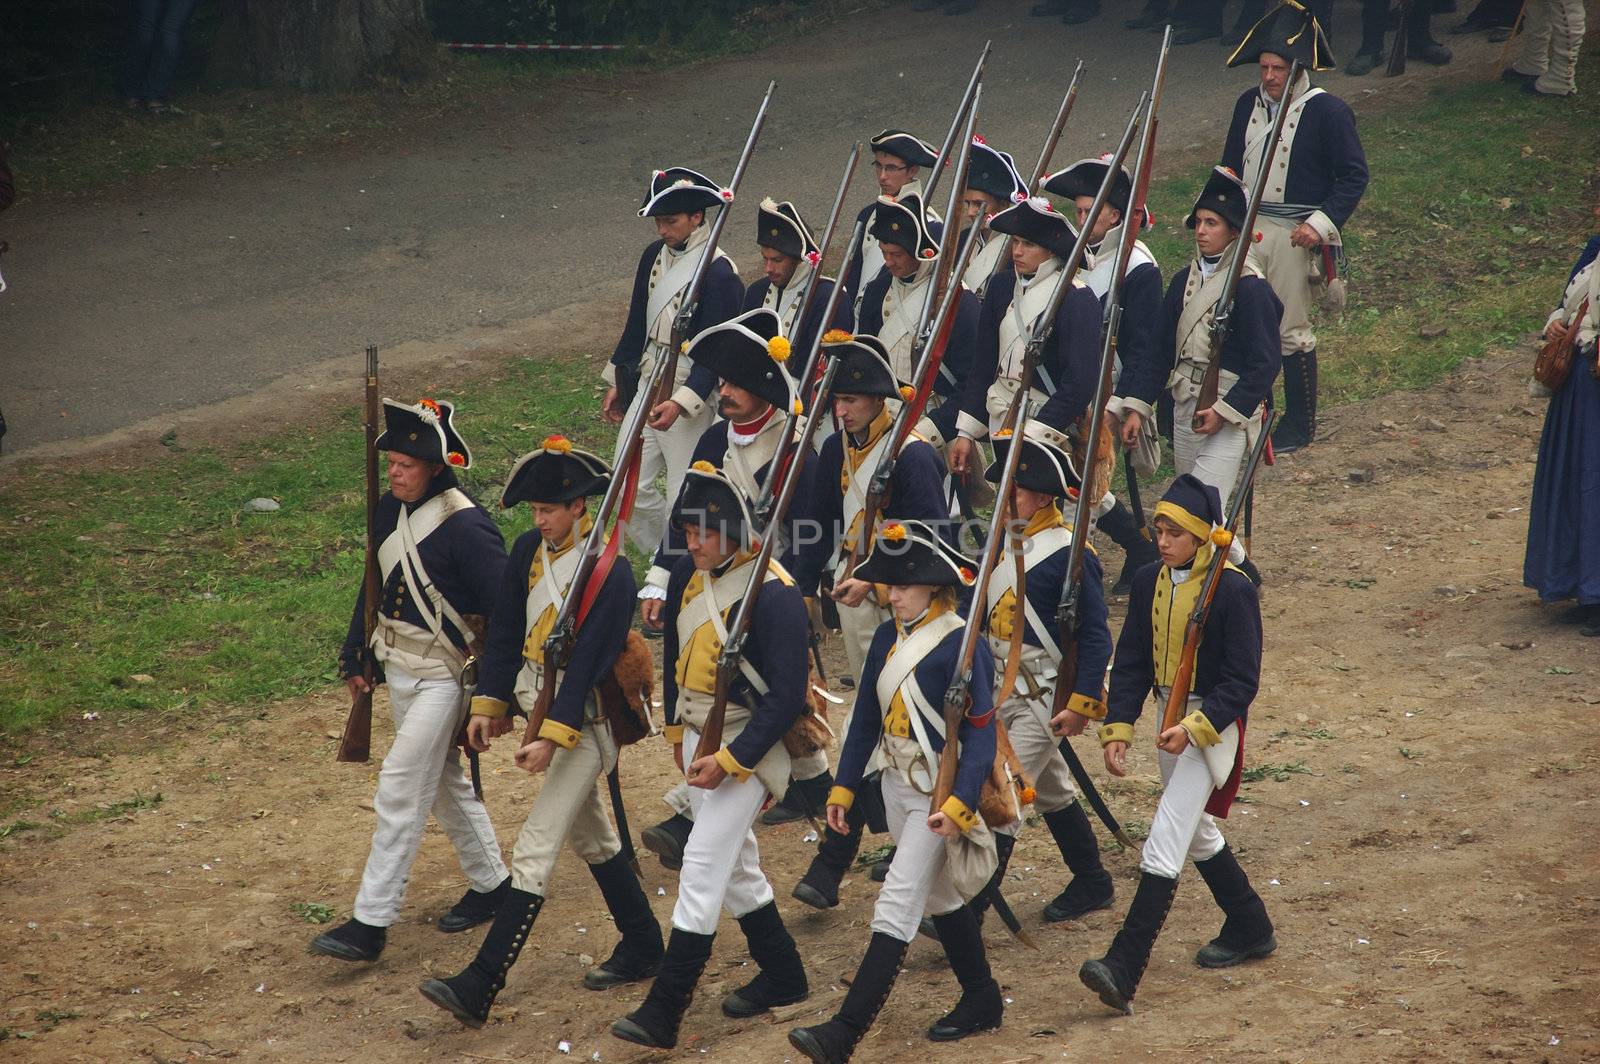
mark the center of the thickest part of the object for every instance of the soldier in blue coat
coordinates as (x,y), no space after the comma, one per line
(918,490)
(1046,475)
(789,257)
(1201,755)
(440,557)
(677,199)
(1136,329)
(1318,175)
(898,717)
(993,184)
(729,785)
(574,747)
(898,159)
(1212,442)
(892,306)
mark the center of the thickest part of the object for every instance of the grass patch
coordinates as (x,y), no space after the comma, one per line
(312,912)
(145,587)
(1276,773)
(109,810)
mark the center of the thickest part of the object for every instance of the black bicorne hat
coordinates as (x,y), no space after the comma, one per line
(709,500)
(1083,178)
(910,552)
(678,190)
(749,352)
(995,172)
(556,472)
(1042,466)
(864,366)
(780,227)
(424,430)
(1036,219)
(902,145)
(1226,195)
(1289,30)
(903,221)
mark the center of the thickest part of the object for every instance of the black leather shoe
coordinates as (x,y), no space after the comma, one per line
(667,839)
(351,941)
(1517,77)
(978,1010)
(1362,64)
(1219,954)
(1431,52)
(880,869)
(474,908)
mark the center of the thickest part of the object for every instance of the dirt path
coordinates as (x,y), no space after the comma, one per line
(199,298)
(1432,869)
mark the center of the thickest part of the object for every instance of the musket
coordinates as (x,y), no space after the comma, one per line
(595,563)
(1402,43)
(708,254)
(1069,611)
(1221,317)
(809,294)
(1046,153)
(731,659)
(933,332)
(1194,631)
(356,743)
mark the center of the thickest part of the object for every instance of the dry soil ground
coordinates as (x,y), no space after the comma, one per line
(1432,870)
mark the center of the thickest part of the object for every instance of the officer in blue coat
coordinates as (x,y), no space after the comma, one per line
(440,557)
(1202,754)
(1318,175)
(789,258)
(898,718)
(677,200)
(574,747)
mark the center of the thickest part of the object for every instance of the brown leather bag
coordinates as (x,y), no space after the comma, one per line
(626,690)
(1555,357)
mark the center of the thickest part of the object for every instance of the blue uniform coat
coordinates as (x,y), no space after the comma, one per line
(721,296)
(1327,166)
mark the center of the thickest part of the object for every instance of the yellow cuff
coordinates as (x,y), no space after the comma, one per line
(957,810)
(1085,706)
(484,706)
(843,797)
(1116,733)
(1201,733)
(732,767)
(673,733)
(559,733)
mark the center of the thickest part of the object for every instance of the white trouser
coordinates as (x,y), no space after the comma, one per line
(568,809)
(1551,36)
(916,884)
(721,863)
(1037,749)
(1288,271)
(805,767)
(670,451)
(421,773)
(1182,827)
(1215,459)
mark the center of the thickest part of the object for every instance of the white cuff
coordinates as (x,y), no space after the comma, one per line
(608,374)
(1039,430)
(1138,406)
(970,427)
(650,592)
(1325,228)
(1229,414)
(928,431)
(656,580)
(691,402)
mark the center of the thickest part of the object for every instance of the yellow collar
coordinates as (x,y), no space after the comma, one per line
(877,428)
(935,609)
(1046,517)
(580,531)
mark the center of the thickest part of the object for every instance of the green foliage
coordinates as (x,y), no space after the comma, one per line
(1276,773)
(312,912)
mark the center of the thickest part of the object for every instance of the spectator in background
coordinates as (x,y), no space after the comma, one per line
(1419,37)
(153,52)
(1552,33)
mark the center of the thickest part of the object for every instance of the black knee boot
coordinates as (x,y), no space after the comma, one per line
(655,1022)
(1420,42)
(981,1006)
(468,995)
(834,1041)
(1118,524)
(1116,976)
(782,977)
(638,955)
(1246,928)
(819,887)
(1003,845)
(804,798)
(1091,886)
(1298,426)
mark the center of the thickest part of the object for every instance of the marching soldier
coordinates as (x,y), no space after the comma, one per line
(897,160)
(575,747)
(440,557)
(891,308)
(789,254)
(1318,176)
(677,199)
(898,716)
(1201,755)
(1136,330)
(863,386)
(1045,475)
(749,355)
(1214,451)
(993,184)
(721,863)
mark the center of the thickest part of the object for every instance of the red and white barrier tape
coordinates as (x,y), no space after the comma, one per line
(538,47)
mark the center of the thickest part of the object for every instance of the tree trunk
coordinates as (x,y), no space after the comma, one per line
(320,44)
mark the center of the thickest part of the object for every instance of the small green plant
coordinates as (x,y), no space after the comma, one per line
(312,912)
(18,826)
(872,857)
(1276,773)
(1319,733)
